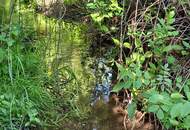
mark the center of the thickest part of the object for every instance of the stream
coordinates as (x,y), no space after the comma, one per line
(77,67)
(67,48)
(77,76)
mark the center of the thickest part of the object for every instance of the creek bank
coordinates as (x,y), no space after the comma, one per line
(145,49)
(103,50)
(60,10)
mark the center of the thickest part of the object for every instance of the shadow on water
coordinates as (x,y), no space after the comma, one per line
(67,49)
(64,50)
(80,83)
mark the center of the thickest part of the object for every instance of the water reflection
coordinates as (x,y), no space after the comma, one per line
(66,56)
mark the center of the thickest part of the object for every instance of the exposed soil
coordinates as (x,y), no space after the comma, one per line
(114,116)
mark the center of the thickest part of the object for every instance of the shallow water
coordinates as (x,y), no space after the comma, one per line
(64,49)
(67,47)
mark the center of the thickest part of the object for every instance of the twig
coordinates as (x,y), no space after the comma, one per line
(124,122)
(187,77)
(121,33)
(141,117)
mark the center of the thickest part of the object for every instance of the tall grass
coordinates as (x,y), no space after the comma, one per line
(24,102)
(37,88)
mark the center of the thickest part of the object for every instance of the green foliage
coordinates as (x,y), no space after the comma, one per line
(133,77)
(23,101)
(171,109)
(16,57)
(164,95)
(151,70)
(149,73)
(164,79)
(131,110)
(102,10)
(18,111)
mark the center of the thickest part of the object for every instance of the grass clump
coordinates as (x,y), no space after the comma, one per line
(23,99)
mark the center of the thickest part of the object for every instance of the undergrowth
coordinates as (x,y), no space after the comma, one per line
(153,63)
(23,98)
(30,97)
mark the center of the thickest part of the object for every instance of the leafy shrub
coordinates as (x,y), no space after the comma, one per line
(103,10)
(148,69)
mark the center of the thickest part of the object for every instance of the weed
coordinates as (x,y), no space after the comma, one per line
(154,44)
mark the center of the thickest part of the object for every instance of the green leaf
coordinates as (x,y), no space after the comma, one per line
(27,124)
(186,123)
(174,122)
(175,110)
(160,114)
(176,95)
(152,66)
(147,75)
(171,59)
(123,72)
(170,17)
(148,93)
(127,45)
(156,98)
(137,42)
(148,54)
(128,84)
(170,21)
(10,42)
(113,29)
(171,14)
(135,56)
(138,72)
(185,109)
(2,37)
(131,110)
(146,81)
(186,44)
(96,17)
(37,120)
(116,41)
(142,59)
(153,108)
(162,22)
(172,47)
(16,32)
(173,33)
(166,99)
(186,89)
(184,52)
(165,108)
(91,5)
(110,14)
(119,86)
(188,95)
(138,83)
(121,67)
(179,79)
(104,28)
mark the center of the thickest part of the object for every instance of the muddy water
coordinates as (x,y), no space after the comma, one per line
(67,47)
(64,50)
(82,80)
